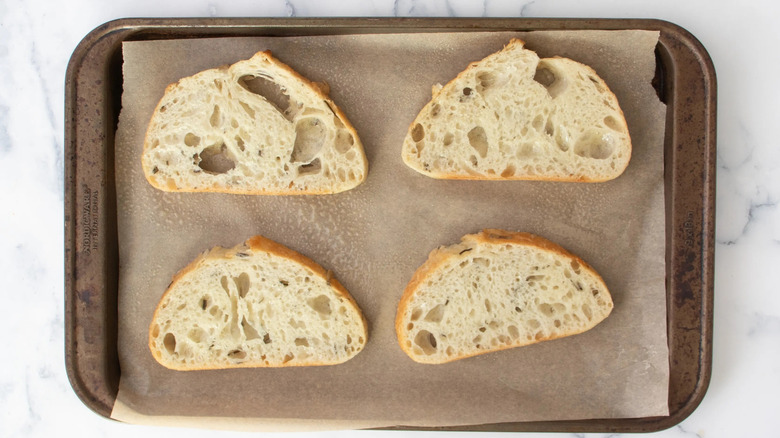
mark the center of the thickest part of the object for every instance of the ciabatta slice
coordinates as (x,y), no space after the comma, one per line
(512,116)
(259,304)
(255,127)
(497,290)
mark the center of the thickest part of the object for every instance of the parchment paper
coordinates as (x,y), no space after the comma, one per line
(375,236)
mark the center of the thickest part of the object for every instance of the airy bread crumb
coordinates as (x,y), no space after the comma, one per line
(512,116)
(255,127)
(259,304)
(497,290)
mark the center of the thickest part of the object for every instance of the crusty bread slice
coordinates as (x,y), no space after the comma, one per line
(512,116)
(258,304)
(255,127)
(497,290)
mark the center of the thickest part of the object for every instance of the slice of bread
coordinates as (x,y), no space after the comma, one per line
(512,116)
(497,290)
(259,304)
(255,127)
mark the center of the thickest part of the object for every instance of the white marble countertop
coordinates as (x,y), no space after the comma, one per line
(37,38)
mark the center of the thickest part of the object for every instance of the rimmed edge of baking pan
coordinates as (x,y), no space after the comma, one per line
(685,81)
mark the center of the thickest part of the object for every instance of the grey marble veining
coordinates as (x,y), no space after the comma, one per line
(37,38)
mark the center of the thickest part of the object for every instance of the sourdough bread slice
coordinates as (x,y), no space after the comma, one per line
(512,116)
(258,304)
(255,127)
(497,290)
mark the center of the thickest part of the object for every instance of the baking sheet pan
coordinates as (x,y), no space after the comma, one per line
(93,88)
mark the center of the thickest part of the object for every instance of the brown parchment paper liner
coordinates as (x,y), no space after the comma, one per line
(375,236)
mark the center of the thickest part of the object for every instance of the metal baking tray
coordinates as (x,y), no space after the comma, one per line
(685,81)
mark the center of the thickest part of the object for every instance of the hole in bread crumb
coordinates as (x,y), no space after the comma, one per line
(197,335)
(288,357)
(435,109)
(344,141)
(321,305)
(526,150)
(169,342)
(309,138)
(478,140)
(481,261)
(509,171)
(537,122)
(514,333)
(534,324)
(549,128)
(302,342)
(216,159)
(349,339)
(612,123)
(242,284)
(557,323)
(249,332)
(426,341)
(416,313)
(237,355)
(576,266)
(546,309)
(191,139)
(596,145)
(267,339)
(485,79)
(268,89)
(448,139)
(418,132)
(539,336)
(488,307)
(545,75)
(587,312)
(436,314)
(215,120)
(312,168)
(597,84)
(216,312)
(240,143)
(248,109)
(561,142)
